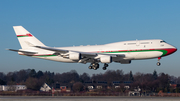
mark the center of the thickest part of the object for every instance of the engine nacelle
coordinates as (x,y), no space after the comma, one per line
(74,56)
(125,62)
(106,59)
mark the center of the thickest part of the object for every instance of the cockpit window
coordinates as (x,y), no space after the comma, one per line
(163,41)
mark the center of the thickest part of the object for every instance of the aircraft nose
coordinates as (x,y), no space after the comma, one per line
(171,50)
(174,50)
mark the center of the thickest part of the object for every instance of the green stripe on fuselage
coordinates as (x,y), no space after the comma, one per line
(44,55)
(163,51)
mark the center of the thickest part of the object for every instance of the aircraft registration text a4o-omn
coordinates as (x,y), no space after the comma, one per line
(121,52)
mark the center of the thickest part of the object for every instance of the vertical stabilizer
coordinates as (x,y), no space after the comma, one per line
(26,39)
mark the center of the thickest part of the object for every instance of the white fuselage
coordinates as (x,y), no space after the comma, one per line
(132,50)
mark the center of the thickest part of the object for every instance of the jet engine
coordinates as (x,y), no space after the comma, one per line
(106,59)
(74,56)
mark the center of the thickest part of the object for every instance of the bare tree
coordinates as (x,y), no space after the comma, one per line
(77,87)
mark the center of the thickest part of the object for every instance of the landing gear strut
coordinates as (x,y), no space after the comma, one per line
(105,66)
(158,63)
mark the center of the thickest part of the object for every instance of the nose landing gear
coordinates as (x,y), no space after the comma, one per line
(158,63)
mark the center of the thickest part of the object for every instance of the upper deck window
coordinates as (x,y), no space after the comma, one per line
(144,42)
(131,43)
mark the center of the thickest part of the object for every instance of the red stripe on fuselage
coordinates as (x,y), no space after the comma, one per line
(169,50)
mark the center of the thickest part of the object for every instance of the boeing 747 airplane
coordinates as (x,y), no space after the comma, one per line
(121,52)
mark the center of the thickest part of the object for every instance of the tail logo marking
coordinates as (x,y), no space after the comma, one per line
(27,35)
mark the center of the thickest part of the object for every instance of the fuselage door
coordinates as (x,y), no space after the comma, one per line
(137,42)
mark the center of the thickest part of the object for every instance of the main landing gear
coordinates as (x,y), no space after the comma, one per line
(105,66)
(95,66)
(158,63)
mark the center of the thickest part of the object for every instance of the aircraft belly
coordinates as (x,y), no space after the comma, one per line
(123,56)
(138,55)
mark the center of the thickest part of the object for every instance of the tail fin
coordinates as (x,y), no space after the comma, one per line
(26,39)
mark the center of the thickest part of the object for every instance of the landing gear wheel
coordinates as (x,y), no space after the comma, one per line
(104,68)
(106,65)
(158,63)
(94,66)
(97,65)
(90,67)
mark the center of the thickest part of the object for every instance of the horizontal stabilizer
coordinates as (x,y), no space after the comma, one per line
(25,52)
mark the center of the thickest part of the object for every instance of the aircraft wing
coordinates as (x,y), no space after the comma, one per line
(53,49)
(84,54)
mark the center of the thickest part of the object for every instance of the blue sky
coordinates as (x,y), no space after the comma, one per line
(87,22)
